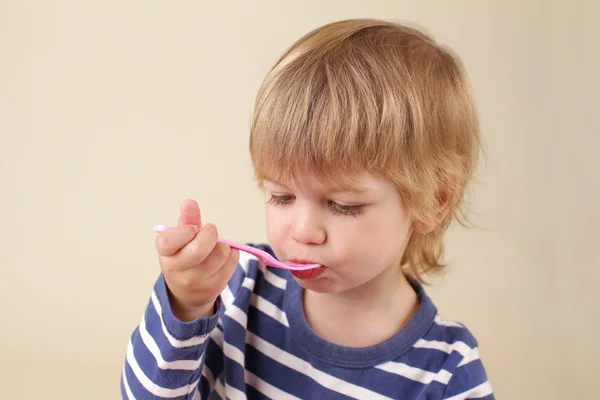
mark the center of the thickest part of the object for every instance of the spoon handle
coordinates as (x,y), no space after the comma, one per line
(265,257)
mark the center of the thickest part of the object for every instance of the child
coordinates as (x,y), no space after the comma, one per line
(364,137)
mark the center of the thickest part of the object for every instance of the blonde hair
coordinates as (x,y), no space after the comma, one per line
(373,96)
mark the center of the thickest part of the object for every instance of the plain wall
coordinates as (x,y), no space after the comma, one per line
(112,112)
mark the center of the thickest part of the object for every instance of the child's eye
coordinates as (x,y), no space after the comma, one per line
(342,209)
(280,200)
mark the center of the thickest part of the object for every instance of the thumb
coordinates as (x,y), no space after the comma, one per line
(189,214)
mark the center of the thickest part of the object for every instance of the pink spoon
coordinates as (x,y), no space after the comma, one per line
(263,256)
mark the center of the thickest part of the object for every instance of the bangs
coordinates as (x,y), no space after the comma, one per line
(328,115)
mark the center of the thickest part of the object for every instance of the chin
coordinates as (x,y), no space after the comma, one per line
(323,285)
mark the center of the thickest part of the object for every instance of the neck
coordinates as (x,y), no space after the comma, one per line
(381,307)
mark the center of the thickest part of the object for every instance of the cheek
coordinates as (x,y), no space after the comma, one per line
(378,239)
(276,225)
(354,241)
(394,236)
(394,229)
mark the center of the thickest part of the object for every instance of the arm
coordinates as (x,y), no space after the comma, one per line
(164,354)
(469,380)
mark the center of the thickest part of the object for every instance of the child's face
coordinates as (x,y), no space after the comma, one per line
(356,235)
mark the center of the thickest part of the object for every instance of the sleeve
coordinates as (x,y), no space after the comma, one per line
(469,380)
(165,355)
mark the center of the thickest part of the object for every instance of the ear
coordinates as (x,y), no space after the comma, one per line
(443,198)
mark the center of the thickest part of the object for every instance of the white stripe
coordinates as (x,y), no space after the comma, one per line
(260,303)
(229,350)
(197,396)
(233,393)
(227,294)
(151,386)
(233,353)
(236,355)
(297,364)
(217,337)
(238,315)
(152,346)
(438,320)
(193,341)
(458,346)
(485,389)
(272,278)
(270,309)
(470,356)
(443,376)
(415,374)
(267,389)
(130,395)
(248,283)
(245,260)
(219,388)
(207,373)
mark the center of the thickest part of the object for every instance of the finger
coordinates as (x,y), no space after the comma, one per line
(227,270)
(189,213)
(171,241)
(222,272)
(216,259)
(196,251)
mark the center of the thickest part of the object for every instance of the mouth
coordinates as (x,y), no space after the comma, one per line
(302,261)
(309,273)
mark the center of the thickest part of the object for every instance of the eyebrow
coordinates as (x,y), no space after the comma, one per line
(334,189)
(357,190)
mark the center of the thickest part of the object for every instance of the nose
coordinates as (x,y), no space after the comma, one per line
(308,228)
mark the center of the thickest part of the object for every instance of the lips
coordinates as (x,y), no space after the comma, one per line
(309,273)
(302,261)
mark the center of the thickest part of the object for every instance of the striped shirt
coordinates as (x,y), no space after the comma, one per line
(258,345)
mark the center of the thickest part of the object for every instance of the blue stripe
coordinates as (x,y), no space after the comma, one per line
(285,378)
(254,394)
(465,377)
(234,375)
(178,329)
(214,359)
(167,378)
(450,334)
(168,352)
(268,291)
(237,278)
(140,392)
(430,359)
(203,387)
(489,397)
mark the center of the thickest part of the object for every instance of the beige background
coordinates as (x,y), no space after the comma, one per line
(111,112)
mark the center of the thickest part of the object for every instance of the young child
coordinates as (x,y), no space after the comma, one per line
(364,137)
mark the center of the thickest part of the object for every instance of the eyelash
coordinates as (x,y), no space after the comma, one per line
(336,208)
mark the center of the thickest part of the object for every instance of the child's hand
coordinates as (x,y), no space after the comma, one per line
(196,267)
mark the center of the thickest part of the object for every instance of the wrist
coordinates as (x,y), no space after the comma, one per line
(187,313)
(190,314)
